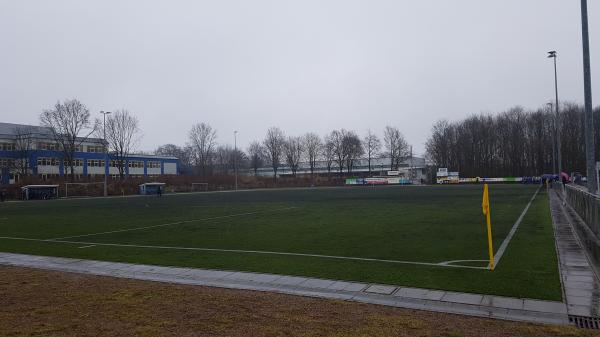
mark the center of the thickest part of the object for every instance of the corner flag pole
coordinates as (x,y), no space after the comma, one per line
(485,205)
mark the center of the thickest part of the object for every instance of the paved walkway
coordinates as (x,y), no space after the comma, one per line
(580,284)
(412,298)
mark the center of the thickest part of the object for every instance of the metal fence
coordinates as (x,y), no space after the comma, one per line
(586,205)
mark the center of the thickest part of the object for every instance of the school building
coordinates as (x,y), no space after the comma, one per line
(32,149)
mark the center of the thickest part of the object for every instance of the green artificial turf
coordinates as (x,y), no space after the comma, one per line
(428,224)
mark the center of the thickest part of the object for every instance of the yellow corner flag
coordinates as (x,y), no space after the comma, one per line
(485,205)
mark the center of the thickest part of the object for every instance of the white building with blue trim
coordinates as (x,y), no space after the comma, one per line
(32,148)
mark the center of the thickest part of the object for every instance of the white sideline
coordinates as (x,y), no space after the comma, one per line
(513,230)
(172,223)
(440,264)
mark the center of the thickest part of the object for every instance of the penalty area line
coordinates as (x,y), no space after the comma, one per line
(239,251)
(513,230)
(172,224)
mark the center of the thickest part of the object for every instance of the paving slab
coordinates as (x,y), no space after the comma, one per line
(381,289)
(348,286)
(580,310)
(316,283)
(411,292)
(545,306)
(254,277)
(502,302)
(462,298)
(582,292)
(290,280)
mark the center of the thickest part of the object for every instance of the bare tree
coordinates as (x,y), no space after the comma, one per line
(440,142)
(312,145)
(336,141)
(328,151)
(273,144)
(292,150)
(122,135)
(515,142)
(353,149)
(69,124)
(183,154)
(372,146)
(23,146)
(202,138)
(395,145)
(226,158)
(256,153)
(223,158)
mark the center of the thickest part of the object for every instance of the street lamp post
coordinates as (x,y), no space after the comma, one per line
(235,158)
(104,113)
(590,155)
(552,54)
(553,140)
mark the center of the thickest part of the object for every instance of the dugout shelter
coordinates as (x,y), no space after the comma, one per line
(152,188)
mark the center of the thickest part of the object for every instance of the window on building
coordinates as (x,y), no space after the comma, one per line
(7,162)
(47,161)
(115,163)
(153,164)
(95,163)
(47,146)
(95,148)
(76,162)
(7,146)
(136,164)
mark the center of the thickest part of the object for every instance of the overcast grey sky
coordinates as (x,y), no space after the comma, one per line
(310,65)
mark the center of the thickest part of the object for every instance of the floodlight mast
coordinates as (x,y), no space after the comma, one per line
(557,125)
(549,104)
(590,155)
(104,113)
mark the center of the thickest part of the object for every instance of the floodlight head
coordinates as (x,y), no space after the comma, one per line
(552,54)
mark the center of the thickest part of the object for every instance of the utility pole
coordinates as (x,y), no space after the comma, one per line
(235,158)
(590,154)
(104,113)
(553,55)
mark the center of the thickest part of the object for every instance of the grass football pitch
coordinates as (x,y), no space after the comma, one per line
(428,237)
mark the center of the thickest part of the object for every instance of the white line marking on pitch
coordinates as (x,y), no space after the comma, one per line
(246,252)
(88,246)
(447,263)
(512,232)
(171,224)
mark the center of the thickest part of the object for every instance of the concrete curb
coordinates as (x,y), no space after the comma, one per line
(488,306)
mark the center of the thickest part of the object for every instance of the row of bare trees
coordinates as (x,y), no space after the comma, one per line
(339,150)
(516,142)
(68,125)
